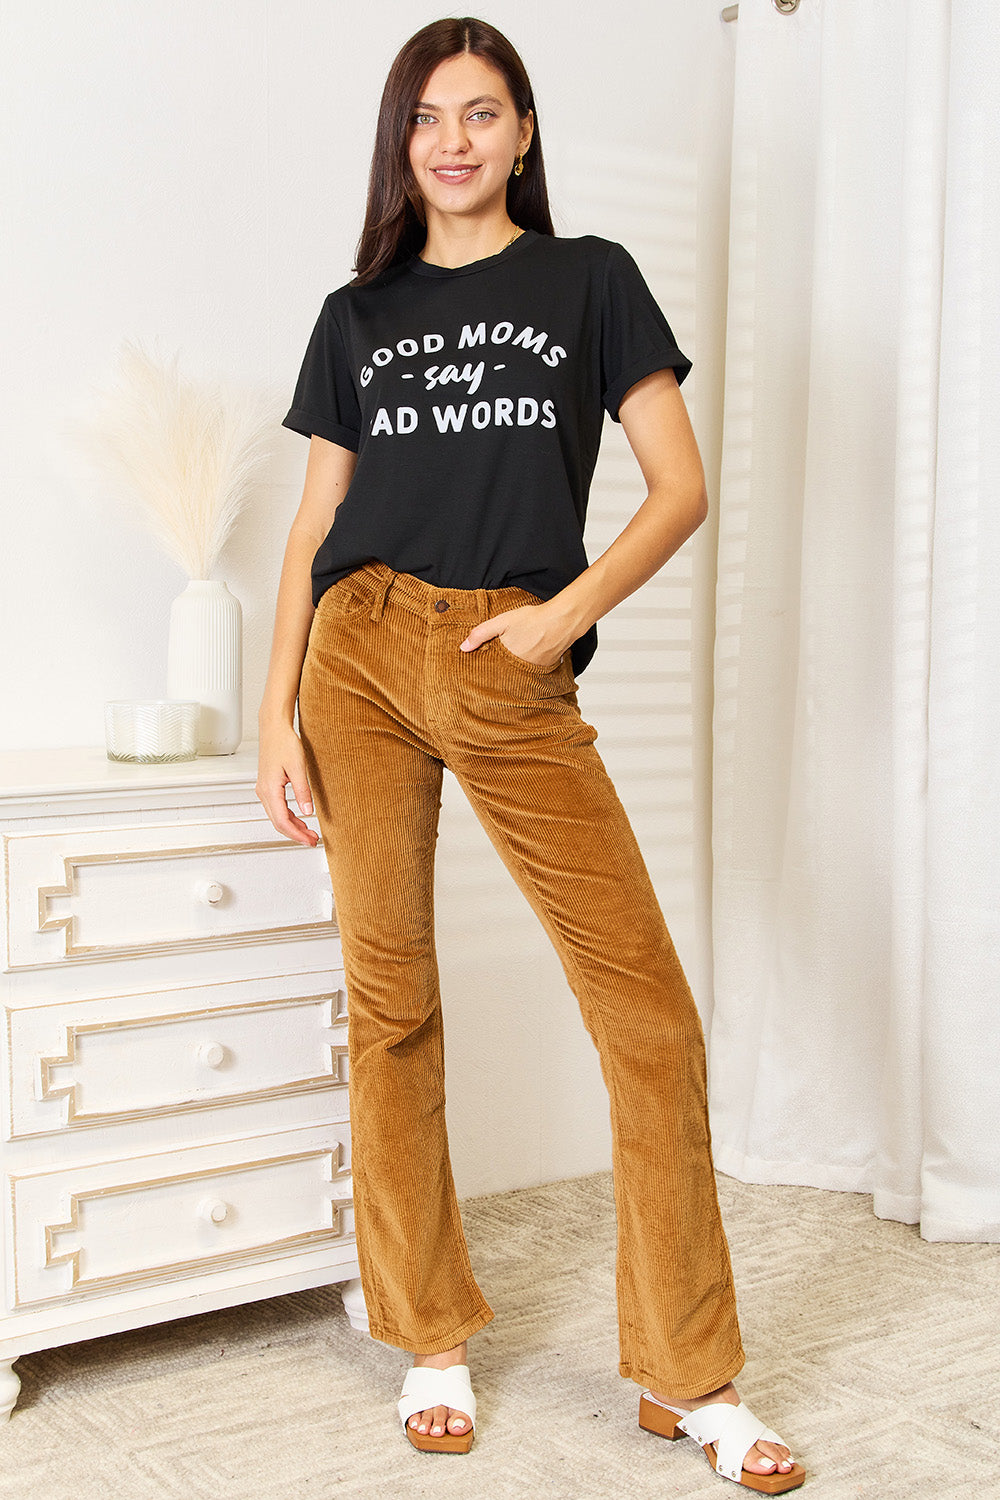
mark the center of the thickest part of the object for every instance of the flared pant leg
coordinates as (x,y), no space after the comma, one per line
(377,790)
(513,736)
(559,826)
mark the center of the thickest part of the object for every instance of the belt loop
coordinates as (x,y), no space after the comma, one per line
(381,596)
(482,605)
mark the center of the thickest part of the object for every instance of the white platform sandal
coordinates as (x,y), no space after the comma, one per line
(426,1387)
(726,1433)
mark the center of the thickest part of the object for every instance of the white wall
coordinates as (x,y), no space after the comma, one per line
(193,175)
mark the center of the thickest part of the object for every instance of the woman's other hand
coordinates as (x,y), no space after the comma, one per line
(282,762)
(281,759)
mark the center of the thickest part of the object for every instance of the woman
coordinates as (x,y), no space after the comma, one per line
(453,394)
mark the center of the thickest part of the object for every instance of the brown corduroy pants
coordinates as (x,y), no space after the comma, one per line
(386,701)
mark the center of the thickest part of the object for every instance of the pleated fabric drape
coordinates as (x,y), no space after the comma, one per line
(855,1038)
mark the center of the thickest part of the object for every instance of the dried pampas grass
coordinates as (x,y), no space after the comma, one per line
(186,453)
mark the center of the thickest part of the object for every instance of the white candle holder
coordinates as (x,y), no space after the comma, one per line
(151,731)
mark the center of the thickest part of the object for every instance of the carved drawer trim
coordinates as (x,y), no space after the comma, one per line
(125,891)
(68,924)
(209,1212)
(187,1066)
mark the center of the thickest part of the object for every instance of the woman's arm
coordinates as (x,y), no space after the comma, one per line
(655,420)
(281,761)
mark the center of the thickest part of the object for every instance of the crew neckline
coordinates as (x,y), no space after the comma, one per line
(427,268)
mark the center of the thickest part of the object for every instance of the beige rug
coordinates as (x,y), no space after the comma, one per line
(875,1355)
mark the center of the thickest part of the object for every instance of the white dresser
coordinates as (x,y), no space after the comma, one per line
(175,1129)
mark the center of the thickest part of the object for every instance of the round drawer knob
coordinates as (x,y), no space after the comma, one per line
(209,891)
(212,1054)
(213,1210)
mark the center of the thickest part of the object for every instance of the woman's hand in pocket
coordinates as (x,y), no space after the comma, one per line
(530,632)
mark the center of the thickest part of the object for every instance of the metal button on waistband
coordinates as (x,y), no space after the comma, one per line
(441,606)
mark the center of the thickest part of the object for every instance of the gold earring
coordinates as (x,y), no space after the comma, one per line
(518,164)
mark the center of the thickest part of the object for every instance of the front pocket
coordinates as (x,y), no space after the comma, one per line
(529,666)
(344,597)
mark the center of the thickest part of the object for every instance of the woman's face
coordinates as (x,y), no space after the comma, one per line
(464,136)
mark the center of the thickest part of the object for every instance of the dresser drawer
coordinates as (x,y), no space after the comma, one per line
(102,1060)
(90,1230)
(91,893)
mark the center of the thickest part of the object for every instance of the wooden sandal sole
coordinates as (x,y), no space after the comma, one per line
(447,1442)
(663,1423)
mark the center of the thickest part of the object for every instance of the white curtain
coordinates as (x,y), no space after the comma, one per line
(855,1039)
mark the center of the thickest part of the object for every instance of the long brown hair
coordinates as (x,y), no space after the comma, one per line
(394,225)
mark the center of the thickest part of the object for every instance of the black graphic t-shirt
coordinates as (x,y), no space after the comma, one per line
(474,398)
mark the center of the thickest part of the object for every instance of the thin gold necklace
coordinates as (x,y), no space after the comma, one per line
(517,231)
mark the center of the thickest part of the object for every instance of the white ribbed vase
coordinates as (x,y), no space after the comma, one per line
(205,662)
